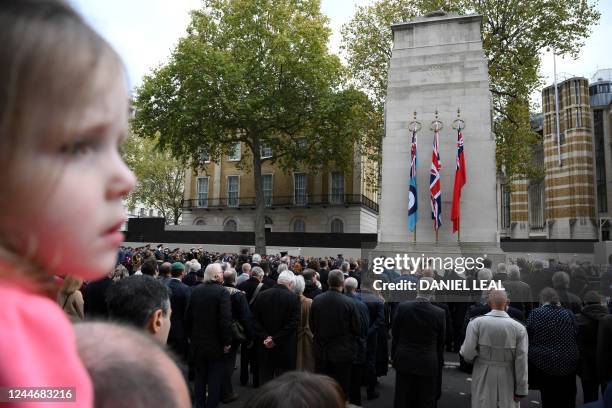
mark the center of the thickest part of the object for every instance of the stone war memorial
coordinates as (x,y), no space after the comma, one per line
(438,71)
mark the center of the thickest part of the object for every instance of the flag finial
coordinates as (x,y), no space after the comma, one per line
(459,124)
(415,125)
(436,125)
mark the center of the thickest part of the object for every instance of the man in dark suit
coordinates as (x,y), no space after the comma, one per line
(604,351)
(323,273)
(561,283)
(359,361)
(95,298)
(177,339)
(336,327)
(241,314)
(418,351)
(311,289)
(208,325)
(249,287)
(276,314)
(376,309)
(248,354)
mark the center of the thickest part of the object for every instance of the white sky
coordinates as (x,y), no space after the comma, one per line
(145,31)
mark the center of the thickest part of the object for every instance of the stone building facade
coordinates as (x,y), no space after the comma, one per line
(574,195)
(221,197)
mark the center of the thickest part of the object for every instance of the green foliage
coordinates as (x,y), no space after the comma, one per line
(515,32)
(160,177)
(367,40)
(257,72)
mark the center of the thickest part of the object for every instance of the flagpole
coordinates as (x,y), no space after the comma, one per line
(459,228)
(459,125)
(414,127)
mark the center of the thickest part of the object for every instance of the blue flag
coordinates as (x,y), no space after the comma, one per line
(412,195)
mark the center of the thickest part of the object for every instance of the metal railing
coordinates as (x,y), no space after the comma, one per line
(327,200)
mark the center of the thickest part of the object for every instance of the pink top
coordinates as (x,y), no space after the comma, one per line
(38,348)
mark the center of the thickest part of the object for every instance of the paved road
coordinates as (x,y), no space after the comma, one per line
(455,390)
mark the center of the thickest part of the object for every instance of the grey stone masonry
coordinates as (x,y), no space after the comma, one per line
(438,64)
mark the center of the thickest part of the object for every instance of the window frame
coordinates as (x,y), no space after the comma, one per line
(295,223)
(227,222)
(271,201)
(331,225)
(237,151)
(263,149)
(295,201)
(333,196)
(198,202)
(227,190)
(202,160)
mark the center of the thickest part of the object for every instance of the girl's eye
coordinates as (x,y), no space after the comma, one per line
(77,148)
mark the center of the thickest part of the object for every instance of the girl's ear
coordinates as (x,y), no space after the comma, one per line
(155,322)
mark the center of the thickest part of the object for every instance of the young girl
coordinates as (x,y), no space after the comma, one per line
(63,115)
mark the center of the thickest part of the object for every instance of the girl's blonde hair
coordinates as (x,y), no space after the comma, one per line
(50,72)
(70,285)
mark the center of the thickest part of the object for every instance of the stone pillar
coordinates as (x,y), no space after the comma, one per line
(438,64)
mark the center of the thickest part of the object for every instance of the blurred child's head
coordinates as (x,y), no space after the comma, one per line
(63,115)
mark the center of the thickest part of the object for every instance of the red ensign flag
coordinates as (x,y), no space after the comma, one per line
(460,180)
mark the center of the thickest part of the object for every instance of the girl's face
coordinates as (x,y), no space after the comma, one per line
(75,185)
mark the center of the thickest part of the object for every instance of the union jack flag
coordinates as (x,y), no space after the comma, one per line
(434,184)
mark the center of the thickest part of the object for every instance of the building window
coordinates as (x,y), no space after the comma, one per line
(337,187)
(200,221)
(299,225)
(266,151)
(235,154)
(204,157)
(299,188)
(505,207)
(577,92)
(337,226)
(233,190)
(600,163)
(202,191)
(150,213)
(230,226)
(302,143)
(578,117)
(266,182)
(536,205)
(141,212)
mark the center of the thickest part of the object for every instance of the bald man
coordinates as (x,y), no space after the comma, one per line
(497,345)
(128,368)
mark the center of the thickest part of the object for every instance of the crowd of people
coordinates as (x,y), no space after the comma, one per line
(158,327)
(273,315)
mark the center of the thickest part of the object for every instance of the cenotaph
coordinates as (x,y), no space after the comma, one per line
(438,65)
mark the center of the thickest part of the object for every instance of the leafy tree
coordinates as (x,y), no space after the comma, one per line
(515,32)
(160,177)
(257,72)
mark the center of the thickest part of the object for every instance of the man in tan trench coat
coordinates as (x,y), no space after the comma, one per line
(497,345)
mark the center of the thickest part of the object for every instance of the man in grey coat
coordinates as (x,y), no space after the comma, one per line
(497,345)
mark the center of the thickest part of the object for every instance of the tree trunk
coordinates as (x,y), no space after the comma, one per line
(260,205)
